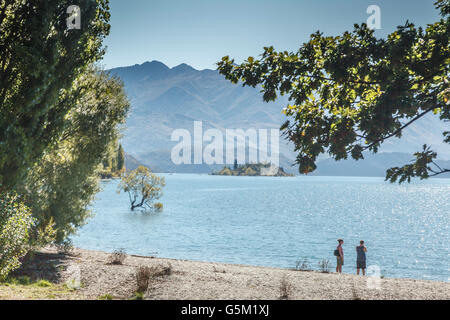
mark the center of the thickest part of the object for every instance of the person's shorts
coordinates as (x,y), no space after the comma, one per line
(339,261)
(361,264)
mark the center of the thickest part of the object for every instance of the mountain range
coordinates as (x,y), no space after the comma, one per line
(164,99)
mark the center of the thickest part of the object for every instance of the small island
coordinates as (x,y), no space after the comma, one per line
(253,169)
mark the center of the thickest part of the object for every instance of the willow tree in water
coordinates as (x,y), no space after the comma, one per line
(143,188)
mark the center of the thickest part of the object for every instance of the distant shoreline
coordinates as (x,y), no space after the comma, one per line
(293,175)
(253,170)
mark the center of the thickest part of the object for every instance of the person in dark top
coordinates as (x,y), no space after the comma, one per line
(339,256)
(361,258)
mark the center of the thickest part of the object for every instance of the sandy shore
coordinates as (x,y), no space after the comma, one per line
(206,280)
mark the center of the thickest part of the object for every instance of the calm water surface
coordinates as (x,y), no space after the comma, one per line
(273,221)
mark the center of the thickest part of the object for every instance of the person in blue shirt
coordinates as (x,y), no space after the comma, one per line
(361,258)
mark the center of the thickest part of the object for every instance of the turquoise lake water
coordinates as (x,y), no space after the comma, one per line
(273,221)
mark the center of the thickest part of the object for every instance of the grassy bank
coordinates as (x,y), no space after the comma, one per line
(19,288)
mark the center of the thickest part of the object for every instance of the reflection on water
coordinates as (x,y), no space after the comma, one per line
(273,221)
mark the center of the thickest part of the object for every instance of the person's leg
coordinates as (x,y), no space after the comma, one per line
(364,271)
(357,271)
(339,265)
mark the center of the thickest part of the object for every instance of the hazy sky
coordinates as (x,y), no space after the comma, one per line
(201,32)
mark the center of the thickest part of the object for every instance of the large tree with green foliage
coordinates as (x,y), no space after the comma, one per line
(39,60)
(16,223)
(352,92)
(61,186)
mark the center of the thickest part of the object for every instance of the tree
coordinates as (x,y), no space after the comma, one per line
(113,163)
(250,172)
(353,92)
(120,159)
(40,58)
(143,188)
(16,224)
(62,185)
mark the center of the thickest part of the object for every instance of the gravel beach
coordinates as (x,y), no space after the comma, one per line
(207,280)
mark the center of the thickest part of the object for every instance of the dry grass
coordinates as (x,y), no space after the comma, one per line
(355,293)
(162,270)
(302,265)
(218,270)
(117,257)
(143,275)
(65,248)
(23,289)
(324,266)
(285,288)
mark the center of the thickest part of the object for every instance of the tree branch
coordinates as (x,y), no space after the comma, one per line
(440,172)
(401,128)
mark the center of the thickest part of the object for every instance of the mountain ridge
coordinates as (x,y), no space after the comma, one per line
(164,99)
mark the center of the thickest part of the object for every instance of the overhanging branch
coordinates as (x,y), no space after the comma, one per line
(401,128)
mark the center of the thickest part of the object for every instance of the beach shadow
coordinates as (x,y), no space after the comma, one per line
(43,266)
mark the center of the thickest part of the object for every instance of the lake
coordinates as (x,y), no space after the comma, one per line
(274,221)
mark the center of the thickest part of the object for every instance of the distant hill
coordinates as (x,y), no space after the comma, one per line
(164,99)
(373,165)
(131,162)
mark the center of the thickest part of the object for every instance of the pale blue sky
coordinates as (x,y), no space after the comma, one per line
(200,32)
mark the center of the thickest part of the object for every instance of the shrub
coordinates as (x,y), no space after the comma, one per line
(65,247)
(22,280)
(302,265)
(355,295)
(117,257)
(219,271)
(138,296)
(72,284)
(250,172)
(161,270)
(324,266)
(105,174)
(224,172)
(42,235)
(43,283)
(143,275)
(16,224)
(158,206)
(106,297)
(285,288)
